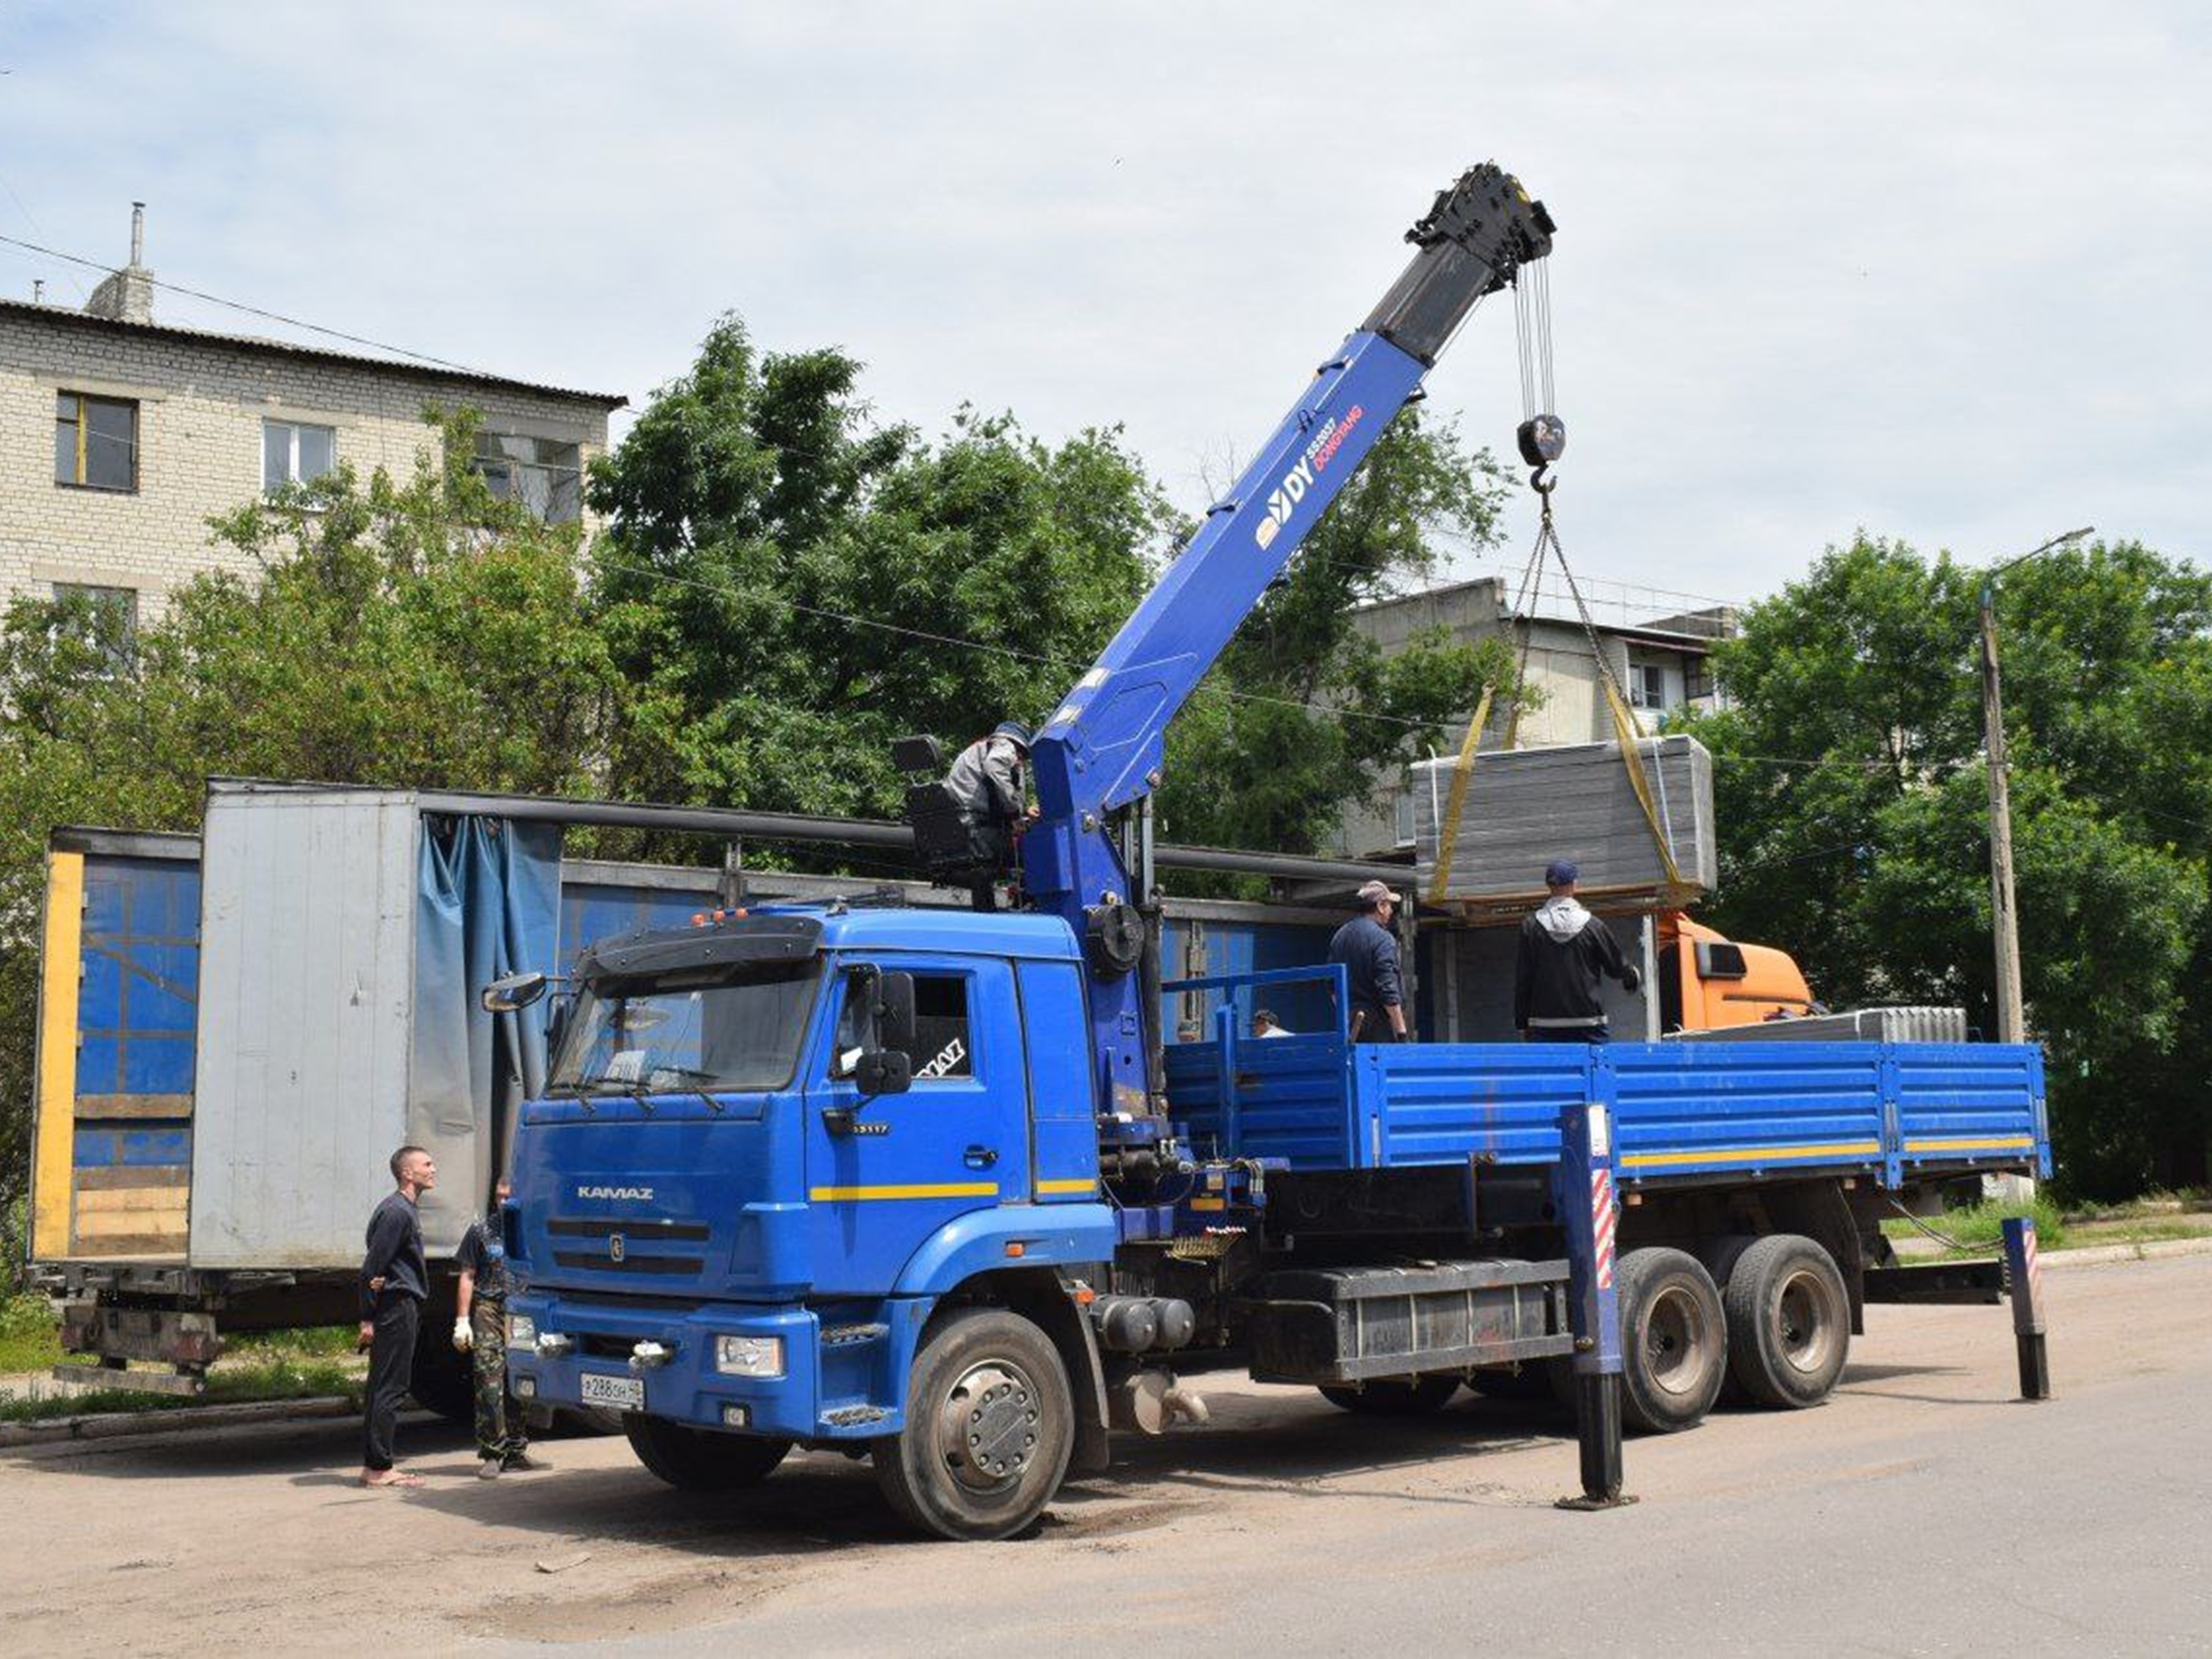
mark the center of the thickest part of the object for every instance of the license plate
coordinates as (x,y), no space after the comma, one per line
(625,1392)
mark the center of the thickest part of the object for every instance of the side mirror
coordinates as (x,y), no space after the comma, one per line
(894,1012)
(516,991)
(883,1071)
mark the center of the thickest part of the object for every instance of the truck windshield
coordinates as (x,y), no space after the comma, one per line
(728,1031)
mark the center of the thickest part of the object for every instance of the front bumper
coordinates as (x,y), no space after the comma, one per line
(837,1379)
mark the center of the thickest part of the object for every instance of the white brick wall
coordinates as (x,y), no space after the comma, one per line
(201,403)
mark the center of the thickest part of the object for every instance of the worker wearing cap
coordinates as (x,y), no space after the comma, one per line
(1369,950)
(986,781)
(1564,951)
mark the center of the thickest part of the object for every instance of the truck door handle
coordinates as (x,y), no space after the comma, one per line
(981,1157)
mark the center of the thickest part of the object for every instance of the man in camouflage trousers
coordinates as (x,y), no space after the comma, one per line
(480,1332)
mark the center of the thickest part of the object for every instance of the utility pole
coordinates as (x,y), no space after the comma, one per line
(2004,917)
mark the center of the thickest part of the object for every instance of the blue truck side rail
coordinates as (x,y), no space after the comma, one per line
(1895,1112)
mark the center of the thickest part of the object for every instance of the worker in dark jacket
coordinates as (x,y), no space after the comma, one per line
(1563,951)
(395,1282)
(1369,952)
(986,783)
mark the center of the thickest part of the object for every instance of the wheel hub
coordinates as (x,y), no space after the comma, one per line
(1674,1342)
(988,1425)
(1805,1323)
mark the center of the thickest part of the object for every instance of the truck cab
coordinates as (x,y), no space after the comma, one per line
(772,1144)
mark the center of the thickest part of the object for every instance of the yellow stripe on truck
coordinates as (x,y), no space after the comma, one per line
(862,1194)
(1087,1184)
(1995,1143)
(61,966)
(1752,1154)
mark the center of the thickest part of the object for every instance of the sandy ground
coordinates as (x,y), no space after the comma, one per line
(1923,1510)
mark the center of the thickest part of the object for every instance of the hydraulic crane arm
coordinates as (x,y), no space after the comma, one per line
(1103,748)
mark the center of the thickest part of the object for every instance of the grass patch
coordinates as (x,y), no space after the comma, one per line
(229,1384)
(29,1341)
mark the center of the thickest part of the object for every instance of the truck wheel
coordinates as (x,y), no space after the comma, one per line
(1789,1322)
(989,1427)
(702,1460)
(1418,1398)
(1673,1340)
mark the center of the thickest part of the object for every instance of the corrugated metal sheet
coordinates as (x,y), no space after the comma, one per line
(1859,1025)
(305,979)
(1524,807)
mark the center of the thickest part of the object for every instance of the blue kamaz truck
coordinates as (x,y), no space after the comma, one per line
(929,1186)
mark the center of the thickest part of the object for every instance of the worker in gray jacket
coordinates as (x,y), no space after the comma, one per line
(986,783)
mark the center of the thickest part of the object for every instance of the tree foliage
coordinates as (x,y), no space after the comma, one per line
(1852,799)
(406,632)
(1304,716)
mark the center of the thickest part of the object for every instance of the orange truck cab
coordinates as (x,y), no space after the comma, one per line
(1707,981)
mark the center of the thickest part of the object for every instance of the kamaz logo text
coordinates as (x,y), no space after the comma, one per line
(642,1194)
(1283,500)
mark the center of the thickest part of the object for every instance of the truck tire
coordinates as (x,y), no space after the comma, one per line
(1673,1340)
(1789,1322)
(1421,1397)
(990,1425)
(702,1460)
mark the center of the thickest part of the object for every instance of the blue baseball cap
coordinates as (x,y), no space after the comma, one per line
(1561,872)
(1012,730)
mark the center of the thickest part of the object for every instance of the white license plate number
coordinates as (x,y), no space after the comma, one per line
(626,1392)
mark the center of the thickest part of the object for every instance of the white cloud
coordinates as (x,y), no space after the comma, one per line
(1939,271)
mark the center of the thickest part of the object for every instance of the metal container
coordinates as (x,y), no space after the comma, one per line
(1858,1025)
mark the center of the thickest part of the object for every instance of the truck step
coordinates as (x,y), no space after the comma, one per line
(1323,1325)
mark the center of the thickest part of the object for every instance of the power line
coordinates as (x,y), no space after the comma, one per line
(256,311)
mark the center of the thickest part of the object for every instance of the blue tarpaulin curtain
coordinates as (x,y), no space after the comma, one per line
(487,902)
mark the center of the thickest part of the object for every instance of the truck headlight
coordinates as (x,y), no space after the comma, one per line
(521,1331)
(749,1355)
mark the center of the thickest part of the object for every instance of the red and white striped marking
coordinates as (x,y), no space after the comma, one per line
(2034,1263)
(1602,1219)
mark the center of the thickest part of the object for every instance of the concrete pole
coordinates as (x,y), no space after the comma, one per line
(2012,1018)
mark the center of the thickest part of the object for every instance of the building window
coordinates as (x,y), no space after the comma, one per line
(294,452)
(1647,686)
(104,619)
(1401,815)
(544,475)
(95,441)
(1697,679)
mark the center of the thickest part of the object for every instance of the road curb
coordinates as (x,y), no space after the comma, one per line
(109,1425)
(2154,1250)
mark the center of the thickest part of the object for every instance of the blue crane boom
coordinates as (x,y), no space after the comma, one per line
(1100,754)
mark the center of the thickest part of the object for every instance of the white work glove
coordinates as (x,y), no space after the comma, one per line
(464,1338)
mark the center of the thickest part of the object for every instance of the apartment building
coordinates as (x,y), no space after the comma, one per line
(121,437)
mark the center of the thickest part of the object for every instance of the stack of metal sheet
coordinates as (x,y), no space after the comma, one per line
(1859,1025)
(1524,807)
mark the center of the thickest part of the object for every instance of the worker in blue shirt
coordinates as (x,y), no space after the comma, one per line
(1369,952)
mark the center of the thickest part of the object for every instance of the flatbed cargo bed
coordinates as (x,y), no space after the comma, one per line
(1897,1112)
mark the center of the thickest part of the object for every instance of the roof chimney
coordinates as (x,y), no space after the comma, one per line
(127,295)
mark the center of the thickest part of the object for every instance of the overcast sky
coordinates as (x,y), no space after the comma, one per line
(1942,270)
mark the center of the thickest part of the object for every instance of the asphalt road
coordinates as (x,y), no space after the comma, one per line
(1923,1510)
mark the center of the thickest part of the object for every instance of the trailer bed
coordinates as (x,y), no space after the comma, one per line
(1896,1112)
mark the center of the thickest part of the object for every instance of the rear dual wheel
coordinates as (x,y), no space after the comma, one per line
(1789,1321)
(1673,1339)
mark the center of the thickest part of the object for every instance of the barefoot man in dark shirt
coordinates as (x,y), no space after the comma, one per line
(395,1282)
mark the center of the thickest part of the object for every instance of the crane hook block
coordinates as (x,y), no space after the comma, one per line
(1543,440)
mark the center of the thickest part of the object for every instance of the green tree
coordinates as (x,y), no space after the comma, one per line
(788,587)
(406,632)
(1304,716)
(1852,800)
